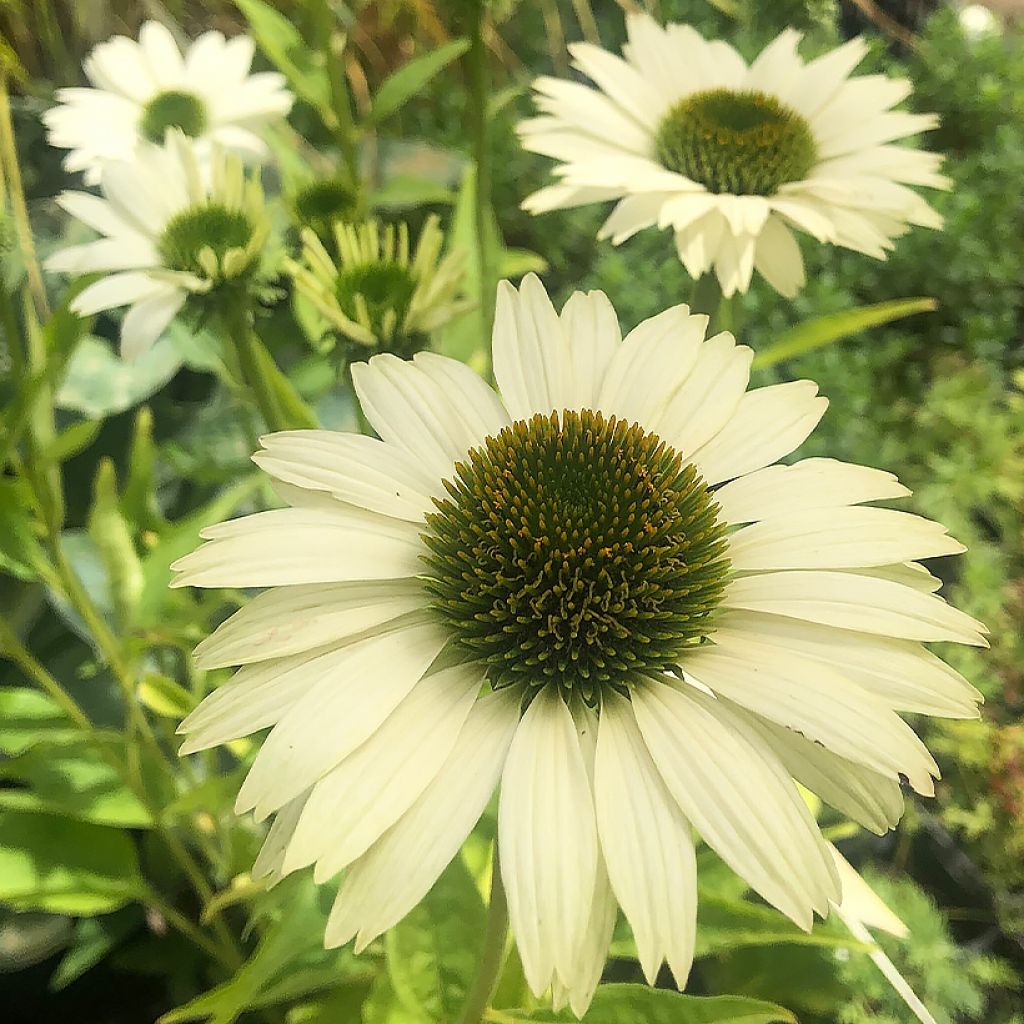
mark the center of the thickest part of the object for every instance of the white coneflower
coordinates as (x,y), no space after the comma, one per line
(171,230)
(732,158)
(144,88)
(379,295)
(596,588)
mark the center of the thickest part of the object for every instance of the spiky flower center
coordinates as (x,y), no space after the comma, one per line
(213,226)
(742,142)
(575,549)
(383,287)
(321,203)
(173,109)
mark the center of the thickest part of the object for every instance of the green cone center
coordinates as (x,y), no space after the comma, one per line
(383,287)
(173,109)
(321,203)
(213,226)
(740,142)
(575,549)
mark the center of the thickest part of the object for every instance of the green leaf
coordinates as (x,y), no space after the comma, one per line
(433,952)
(139,497)
(113,539)
(72,440)
(631,1004)
(21,555)
(71,779)
(401,85)
(825,330)
(288,52)
(165,697)
(65,866)
(405,190)
(28,717)
(94,938)
(99,383)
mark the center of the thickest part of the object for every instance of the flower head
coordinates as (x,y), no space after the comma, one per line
(143,89)
(171,229)
(379,296)
(684,135)
(598,590)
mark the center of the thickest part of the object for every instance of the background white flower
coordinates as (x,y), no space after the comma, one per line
(170,229)
(732,158)
(609,545)
(141,89)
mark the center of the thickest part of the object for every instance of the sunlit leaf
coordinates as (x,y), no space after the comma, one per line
(27,717)
(401,85)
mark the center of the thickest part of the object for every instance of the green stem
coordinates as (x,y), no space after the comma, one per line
(23,228)
(477,63)
(192,932)
(240,336)
(706,296)
(492,959)
(341,105)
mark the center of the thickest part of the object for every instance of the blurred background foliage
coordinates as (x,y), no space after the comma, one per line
(90,888)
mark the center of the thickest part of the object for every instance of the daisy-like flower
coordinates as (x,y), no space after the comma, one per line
(379,295)
(144,88)
(172,229)
(597,590)
(732,158)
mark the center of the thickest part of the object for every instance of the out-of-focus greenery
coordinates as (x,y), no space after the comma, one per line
(90,884)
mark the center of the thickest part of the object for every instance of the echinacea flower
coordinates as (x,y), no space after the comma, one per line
(597,590)
(142,89)
(379,295)
(733,158)
(171,229)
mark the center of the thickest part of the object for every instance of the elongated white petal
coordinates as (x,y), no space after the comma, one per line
(532,364)
(288,620)
(337,713)
(777,491)
(474,401)
(768,424)
(862,603)
(837,538)
(817,701)
(871,799)
(591,329)
(900,672)
(547,837)
(302,545)
(147,320)
(270,860)
(369,790)
(733,788)
(398,870)
(646,844)
(354,468)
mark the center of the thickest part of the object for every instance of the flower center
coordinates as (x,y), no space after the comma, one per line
(578,550)
(214,227)
(173,109)
(376,293)
(741,142)
(321,203)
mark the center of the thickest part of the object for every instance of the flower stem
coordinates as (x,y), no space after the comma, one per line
(492,959)
(706,296)
(341,105)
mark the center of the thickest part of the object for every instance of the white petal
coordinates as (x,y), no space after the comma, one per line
(591,329)
(302,545)
(768,424)
(411,411)
(809,484)
(269,861)
(377,783)
(341,710)
(742,801)
(355,468)
(547,837)
(398,870)
(162,53)
(477,403)
(837,538)
(147,320)
(851,601)
(131,252)
(118,290)
(97,213)
(654,359)
(623,83)
(531,356)
(289,620)
(817,701)
(901,672)
(777,258)
(646,843)
(870,799)
(709,397)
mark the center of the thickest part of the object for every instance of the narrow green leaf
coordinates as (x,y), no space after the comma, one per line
(403,84)
(825,330)
(65,866)
(21,555)
(139,498)
(113,539)
(72,440)
(288,52)
(433,952)
(94,938)
(629,1004)
(165,697)
(28,717)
